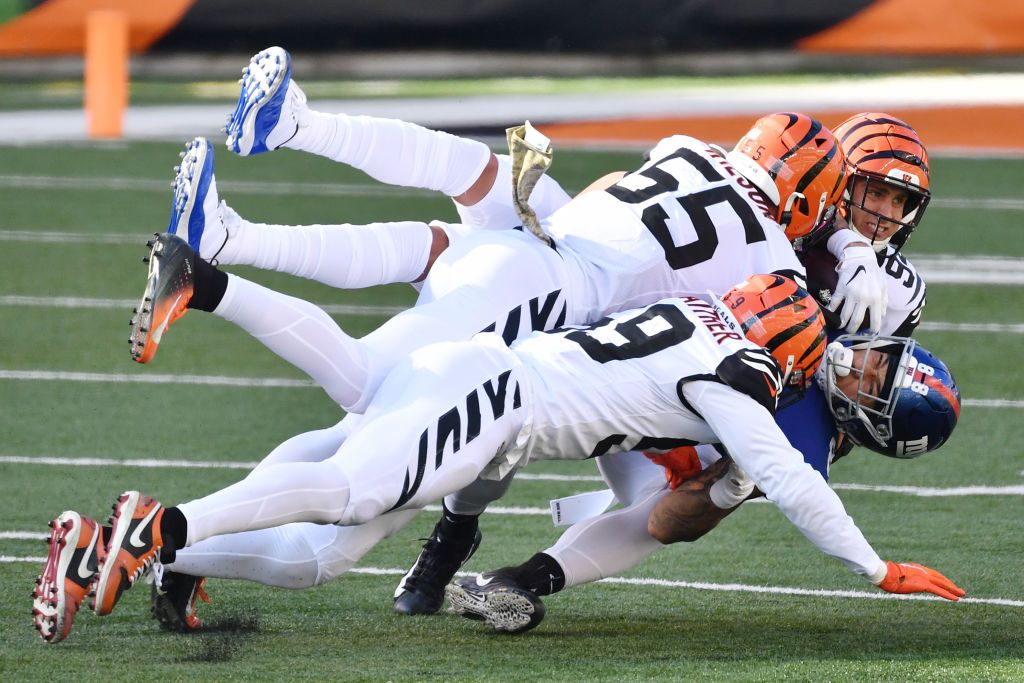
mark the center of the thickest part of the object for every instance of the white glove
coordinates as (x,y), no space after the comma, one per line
(861,288)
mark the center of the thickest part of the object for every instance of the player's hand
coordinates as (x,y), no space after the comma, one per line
(908,577)
(860,289)
(681,464)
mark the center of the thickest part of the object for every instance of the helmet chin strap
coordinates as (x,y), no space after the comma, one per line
(840,358)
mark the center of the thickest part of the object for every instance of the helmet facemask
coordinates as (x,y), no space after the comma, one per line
(862,186)
(868,413)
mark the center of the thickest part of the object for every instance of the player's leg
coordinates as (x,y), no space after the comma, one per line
(457,403)
(591,549)
(454,539)
(272,113)
(346,256)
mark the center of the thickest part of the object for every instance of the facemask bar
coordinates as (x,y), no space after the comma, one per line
(913,209)
(873,413)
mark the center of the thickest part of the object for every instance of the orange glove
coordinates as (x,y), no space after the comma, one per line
(908,577)
(680,464)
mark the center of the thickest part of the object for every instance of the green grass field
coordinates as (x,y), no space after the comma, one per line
(74,222)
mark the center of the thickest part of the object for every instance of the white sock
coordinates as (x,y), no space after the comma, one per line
(271,496)
(344,256)
(394,152)
(585,553)
(300,333)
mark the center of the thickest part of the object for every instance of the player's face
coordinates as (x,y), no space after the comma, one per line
(872,203)
(867,379)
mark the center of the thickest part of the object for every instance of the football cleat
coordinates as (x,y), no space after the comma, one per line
(265,116)
(76,548)
(194,214)
(421,590)
(134,546)
(496,599)
(169,288)
(173,600)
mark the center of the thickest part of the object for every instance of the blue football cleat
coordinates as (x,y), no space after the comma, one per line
(258,125)
(194,207)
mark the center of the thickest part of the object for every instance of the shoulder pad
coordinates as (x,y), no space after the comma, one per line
(755,373)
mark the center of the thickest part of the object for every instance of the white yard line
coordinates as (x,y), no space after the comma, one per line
(91,303)
(278,382)
(156,463)
(672,584)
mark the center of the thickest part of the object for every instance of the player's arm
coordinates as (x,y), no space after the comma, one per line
(688,512)
(862,287)
(759,447)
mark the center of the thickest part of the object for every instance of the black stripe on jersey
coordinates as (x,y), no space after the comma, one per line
(409,488)
(449,426)
(703,166)
(539,314)
(606,444)
(652,443)
(754,373)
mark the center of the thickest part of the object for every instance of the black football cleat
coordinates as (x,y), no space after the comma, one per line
(421,590)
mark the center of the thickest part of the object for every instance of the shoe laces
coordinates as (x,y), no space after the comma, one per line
(440,557)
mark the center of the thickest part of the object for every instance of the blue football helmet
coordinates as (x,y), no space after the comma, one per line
(906,410)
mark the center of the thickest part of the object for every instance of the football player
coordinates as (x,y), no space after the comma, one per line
(907,403)
(454,411)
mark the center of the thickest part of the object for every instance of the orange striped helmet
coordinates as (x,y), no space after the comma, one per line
(780,316)
(882,148)
(797,163)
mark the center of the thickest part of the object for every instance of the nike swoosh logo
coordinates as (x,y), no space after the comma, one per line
(482,582)
(136,538)
(83,566)
(159,332)
(860,269)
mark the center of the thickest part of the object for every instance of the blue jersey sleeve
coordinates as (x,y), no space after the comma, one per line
(809,426)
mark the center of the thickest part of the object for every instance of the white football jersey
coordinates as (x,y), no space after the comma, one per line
(906,295)
(685,223)
(616,385)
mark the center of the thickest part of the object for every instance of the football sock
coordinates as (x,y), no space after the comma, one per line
(540,574)
(395,152)
(173,531)
(344,256)
(458,527)
(584,553)
(208,286)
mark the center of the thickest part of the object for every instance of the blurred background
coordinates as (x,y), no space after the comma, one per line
(609,73)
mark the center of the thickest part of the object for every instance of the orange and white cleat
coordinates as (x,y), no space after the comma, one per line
(76,548)
(134,546)
(169,288)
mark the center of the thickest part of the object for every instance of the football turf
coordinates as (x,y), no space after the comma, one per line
(752,601)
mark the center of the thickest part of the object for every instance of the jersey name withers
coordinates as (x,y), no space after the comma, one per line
(615,385)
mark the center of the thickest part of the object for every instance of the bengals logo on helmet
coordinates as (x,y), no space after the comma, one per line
(797,163)
(778,315)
